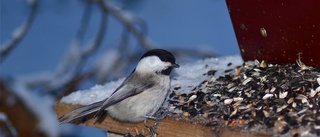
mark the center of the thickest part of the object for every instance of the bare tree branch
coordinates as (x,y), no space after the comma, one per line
(19,34)
(90,49)
(11,129)
(85,52)
(118,14)
(73,55)
(84,21)
(97,42)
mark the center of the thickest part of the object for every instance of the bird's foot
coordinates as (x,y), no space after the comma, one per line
(160,114)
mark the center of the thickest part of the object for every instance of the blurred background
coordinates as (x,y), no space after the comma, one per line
(52,48)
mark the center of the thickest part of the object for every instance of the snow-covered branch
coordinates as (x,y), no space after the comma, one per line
(77,55)
(12,130)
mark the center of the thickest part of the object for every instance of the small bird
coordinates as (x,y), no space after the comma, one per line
(139,96)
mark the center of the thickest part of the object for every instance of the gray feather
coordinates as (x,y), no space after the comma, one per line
(80,112)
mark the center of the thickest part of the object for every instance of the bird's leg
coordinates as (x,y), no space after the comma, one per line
(160,114)
(152,128)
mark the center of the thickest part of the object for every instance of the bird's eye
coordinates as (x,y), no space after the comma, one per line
(163,58)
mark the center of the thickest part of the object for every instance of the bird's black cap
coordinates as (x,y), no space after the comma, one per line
(162,54)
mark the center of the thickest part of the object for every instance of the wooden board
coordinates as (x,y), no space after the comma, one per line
(168,127)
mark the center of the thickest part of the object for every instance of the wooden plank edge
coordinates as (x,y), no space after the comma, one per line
(166,127)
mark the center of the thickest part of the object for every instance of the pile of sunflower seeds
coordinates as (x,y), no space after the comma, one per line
(283,98)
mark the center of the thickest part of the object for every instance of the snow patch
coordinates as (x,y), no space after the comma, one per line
(94,94)
(190,75)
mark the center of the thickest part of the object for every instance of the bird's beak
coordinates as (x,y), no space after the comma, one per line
(175,65)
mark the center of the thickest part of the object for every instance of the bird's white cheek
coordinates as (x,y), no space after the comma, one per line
(152,63)
(155,64)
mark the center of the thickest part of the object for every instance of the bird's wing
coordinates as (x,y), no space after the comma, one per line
(125,90)
(80,112)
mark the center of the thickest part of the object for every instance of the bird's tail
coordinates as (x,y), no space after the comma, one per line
(80,112)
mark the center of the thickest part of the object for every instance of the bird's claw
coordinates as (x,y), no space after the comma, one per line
(160,114)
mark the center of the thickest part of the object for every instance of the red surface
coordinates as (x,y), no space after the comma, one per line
(292,26)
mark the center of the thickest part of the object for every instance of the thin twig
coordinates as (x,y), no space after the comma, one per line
(126,22)
(84,21)
(85,53)
(100,35)
(69,61)
(16,38)
(97,42)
